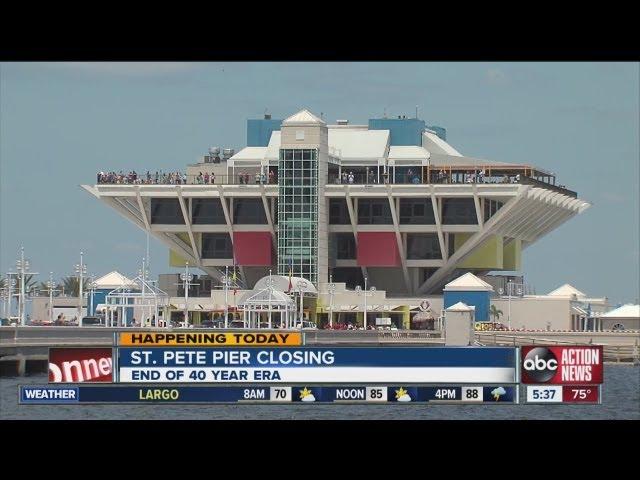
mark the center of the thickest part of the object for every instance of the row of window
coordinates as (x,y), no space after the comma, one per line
(371,211)
(420,246)
(208,211)
(413,211)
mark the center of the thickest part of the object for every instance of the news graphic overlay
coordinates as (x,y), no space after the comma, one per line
(354,365)
(562,374)
(273,367)
(78,365)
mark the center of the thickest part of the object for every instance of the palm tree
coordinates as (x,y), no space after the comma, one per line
(495,313)
(71,285)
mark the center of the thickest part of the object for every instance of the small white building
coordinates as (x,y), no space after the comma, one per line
(626,317)
(565,308)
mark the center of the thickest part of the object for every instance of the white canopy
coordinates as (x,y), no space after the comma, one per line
(113,280)
(281,283)
(625,311)
(468,282)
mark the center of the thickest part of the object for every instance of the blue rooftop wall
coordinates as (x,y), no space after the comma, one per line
(403,131)
(259,131)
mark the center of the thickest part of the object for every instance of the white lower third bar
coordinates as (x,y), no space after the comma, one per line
(319,375)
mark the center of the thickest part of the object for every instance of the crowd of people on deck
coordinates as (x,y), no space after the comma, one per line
(133,178)
(413,177)
(346,177)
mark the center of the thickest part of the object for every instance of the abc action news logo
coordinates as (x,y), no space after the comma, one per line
(74,365)
(562,365)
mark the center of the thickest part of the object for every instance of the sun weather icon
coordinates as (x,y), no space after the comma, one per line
(306,395)
(497,393)
(402,395)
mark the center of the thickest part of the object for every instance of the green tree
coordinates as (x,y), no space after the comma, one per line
(71,285)
(495,312)
(43,287)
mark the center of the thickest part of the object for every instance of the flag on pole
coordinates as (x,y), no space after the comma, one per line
(290,275)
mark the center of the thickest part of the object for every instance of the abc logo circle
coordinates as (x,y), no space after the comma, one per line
(540,364)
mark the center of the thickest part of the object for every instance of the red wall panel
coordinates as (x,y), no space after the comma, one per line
(252,249)
(378,249)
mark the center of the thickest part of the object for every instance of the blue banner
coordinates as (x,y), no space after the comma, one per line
(473,357)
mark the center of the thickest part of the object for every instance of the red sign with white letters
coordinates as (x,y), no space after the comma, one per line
(75,365)
(562,365)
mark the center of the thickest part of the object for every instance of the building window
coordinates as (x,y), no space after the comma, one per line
(490,208)
(345,246)
(216,245)
(618,327)
(423,246)
(248,211)
(352,276)
(207,211)
(374,211)
(416,211)
(427,273)
(459,211)
(298,213)
(166,211)
(338,212)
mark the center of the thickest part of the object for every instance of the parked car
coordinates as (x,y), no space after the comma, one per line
(236,324)
(92,321)
(217,323)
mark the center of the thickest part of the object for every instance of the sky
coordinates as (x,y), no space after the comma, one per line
(60,123)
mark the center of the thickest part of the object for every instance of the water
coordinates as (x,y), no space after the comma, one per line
(621,400)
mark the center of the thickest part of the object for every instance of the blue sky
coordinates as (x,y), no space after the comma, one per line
(60,123)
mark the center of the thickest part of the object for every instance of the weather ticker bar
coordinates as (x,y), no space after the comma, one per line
(407,394)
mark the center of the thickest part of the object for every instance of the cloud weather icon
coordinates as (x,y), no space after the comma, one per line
(498,392)
(402,395)
(306,395)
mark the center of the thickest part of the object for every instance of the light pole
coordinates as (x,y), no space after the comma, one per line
(22,269)
(7,291)
(332,289)
(81,270)
(143,273)
(225,281)
(509,291)
(270,287)
(301,286)
(51,287)
(92,287)
(365,293)
(186,278)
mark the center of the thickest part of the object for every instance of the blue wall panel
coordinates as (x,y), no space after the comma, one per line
(259,131)
(403,131)
(480,300)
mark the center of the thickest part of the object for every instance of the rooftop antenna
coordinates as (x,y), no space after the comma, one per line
(322,115)
(385,113)
(416,111)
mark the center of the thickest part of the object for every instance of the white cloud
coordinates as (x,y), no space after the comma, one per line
(495,76)
(135,69)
